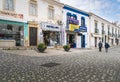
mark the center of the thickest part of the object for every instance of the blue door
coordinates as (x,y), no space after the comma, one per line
(83,41)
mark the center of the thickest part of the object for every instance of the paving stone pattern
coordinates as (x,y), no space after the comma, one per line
(88,66)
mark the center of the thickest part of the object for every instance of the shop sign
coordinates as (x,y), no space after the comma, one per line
(11,14)
(50,27)
(73,21)
(72,27)
(81,29)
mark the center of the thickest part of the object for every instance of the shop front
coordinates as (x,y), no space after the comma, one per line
(12,33)
(51,34)
(76,35)
(33,33)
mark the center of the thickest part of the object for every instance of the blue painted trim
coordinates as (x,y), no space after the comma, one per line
(83,19)
(74,10)
(68,14)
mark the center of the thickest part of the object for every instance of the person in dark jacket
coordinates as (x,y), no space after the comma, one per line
(100,46)
(106,46)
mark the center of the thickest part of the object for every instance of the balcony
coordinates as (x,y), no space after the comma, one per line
(103,32)
(116,35)
(109,34)
(119,35)
(96,30)
(113,35)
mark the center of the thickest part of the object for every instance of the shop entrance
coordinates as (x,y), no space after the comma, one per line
(83,41)
(51,38)
(95,41)
(71,40)
(33,36)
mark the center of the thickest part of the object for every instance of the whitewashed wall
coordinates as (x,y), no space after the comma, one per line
(106,23)
(87,37)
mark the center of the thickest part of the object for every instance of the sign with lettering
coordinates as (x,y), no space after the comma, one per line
(81,29)
(73,21)
(50,27)
(72,27)
(11,14)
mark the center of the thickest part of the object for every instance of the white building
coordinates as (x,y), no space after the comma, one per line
(13,23)
(20,21)
(75,27)
(103,30)
(50,16)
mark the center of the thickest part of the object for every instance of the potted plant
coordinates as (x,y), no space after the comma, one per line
(66,47)
(41,47)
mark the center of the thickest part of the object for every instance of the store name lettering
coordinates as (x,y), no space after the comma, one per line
(73,21)
(54,27)
(6,13)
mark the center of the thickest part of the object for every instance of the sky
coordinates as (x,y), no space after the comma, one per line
(107,9)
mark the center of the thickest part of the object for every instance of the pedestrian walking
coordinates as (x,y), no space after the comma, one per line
(106,46)
(100,46)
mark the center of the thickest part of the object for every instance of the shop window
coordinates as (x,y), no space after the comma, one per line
(12,32)
(9,5)
(33,8)
(51,12)
(9,27)
(82,21)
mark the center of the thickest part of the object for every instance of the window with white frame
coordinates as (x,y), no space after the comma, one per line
(9,5)
(96,26)
(51,12)
(33,8)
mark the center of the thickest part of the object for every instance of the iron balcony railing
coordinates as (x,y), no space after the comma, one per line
(113,35)
(103,32)
(96,30)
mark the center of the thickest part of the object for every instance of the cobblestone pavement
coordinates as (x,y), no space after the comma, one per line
(82,66)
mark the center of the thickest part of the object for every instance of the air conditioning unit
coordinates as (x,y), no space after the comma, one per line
(59,22)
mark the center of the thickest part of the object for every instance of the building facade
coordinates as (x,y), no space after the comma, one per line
(76,27)
(13,24)
(103,30)
(30,24)
(50,22)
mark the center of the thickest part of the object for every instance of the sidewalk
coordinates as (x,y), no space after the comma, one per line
(48,52)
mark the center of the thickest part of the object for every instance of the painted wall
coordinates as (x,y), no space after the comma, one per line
(100,21)
(43,13)
(65,11)
(18,10)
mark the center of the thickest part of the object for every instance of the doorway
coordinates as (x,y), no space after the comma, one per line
(71,40)
(95,41)
(33,36)
(83,41)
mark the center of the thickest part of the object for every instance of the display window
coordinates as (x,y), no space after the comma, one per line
(51,38)
(12,32)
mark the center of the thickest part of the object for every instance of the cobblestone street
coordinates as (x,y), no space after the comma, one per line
(82,66)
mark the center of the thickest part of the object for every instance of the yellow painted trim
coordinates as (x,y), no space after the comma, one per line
(30,26)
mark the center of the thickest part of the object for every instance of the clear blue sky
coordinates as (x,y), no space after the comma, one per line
(107,9)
